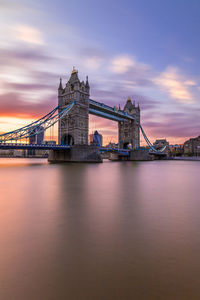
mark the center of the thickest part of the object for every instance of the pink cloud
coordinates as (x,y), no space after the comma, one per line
(14,105)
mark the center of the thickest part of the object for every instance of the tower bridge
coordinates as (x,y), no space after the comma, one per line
(72,116)
(74,127)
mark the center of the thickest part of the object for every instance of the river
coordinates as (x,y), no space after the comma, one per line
(117,230)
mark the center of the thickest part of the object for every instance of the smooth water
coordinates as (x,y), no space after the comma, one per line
(117,230)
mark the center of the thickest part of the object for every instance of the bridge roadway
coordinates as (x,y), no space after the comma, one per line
(108,112)
(20,146)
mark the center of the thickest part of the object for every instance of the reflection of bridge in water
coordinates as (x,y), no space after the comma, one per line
(72,116)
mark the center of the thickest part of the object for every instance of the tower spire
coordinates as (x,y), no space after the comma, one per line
(60,85)
(87,83)
(74,70)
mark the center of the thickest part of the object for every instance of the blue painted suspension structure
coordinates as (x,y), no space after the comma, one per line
(36,127)
(149,143)
(54,116)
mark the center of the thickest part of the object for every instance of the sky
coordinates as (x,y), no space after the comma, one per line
(148,50)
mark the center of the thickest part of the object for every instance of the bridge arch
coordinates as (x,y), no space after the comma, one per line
(67,139)
(127,145)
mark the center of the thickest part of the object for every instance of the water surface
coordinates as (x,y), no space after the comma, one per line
(117,230)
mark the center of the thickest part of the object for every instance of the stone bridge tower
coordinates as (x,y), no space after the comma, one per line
(129,131)
(73,128)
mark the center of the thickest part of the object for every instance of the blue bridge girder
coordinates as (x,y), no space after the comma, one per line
(157,153)
(124,152)
(18,146)
(36,127)
(108,112)
(21,146)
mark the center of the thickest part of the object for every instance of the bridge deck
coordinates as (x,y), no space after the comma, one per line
(20,146)
(16,146)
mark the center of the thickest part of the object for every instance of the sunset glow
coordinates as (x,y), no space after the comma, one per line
(154,65)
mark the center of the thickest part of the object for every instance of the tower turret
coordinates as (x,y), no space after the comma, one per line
(74,127)
(129,131)
(60,88)
(129,107)
(74,77)
(87,86)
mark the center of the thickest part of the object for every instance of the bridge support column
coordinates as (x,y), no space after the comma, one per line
(77,153)
(129,130)
(140,155)
(117,157)
(73,128)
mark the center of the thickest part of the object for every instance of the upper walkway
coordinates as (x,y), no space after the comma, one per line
(108,112)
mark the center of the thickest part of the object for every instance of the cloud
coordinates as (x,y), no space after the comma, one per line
(190,83)
(8,6)
(118,93)
(176,85)
(25,58)
(177,125)
(23,87)
(28,34)
(15,105)
(121,64)
(93,62)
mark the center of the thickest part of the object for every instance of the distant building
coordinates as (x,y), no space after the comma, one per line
(37,138)
(96,139)
(112,145)
(18,153)
(6,153)
(91,138)
(176,150)
(12,153)
(49,143)
(192,146)
(159,144)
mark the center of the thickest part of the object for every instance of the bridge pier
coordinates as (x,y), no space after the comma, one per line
(134,155)
(77,153)
(129,130)
(116,157)
(140,155)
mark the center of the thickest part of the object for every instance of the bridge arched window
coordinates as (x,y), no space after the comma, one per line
(67,139)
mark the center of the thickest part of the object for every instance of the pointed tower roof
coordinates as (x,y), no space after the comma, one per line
(128,106)
(74,70)
(87,83)
(74,76)
(60,85)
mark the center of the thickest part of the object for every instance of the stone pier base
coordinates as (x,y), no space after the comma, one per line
(117,157)
(77,153)
(140,155)
(135,155)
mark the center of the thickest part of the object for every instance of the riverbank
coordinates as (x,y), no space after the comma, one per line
(191,158)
